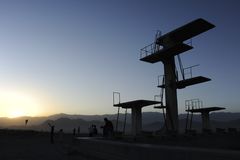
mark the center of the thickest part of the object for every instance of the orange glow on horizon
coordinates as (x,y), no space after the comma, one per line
(16,104)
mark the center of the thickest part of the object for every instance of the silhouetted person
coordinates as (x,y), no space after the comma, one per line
(26,121)
(74,132)
(61,135)
(107,128)
(52,133)
(92,130)
(78,130)
(95,131)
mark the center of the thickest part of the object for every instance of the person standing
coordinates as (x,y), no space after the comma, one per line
(51,133)
(107,128)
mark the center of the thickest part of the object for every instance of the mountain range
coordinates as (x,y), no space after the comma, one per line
(151,121)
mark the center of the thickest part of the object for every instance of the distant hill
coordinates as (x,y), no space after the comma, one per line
(21,121)
(84,117)
(151,121)
(68,124)
(148,117)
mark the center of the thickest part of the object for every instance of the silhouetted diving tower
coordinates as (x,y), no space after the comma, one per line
(163,50)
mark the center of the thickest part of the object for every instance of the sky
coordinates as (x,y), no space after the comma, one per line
(69,56)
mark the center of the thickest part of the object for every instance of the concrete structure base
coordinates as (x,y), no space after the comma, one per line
(136,120)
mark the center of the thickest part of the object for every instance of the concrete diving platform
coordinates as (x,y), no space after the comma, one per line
(205,115)
(188,82)
(192,81)
(164,53)
(207,109)
(186,32)
(136,107)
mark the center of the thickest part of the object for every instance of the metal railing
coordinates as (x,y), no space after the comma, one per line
(150,49)
(116,95)
(193,104)
(188,71)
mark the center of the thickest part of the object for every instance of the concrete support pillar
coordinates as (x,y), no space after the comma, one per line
(171,94)
(136,120)
(205,120)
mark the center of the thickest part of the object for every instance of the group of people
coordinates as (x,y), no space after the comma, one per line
(107,129)
(93,130)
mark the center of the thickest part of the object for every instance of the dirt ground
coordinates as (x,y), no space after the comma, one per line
(30,145)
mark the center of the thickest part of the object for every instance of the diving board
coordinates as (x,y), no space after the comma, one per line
(185,32)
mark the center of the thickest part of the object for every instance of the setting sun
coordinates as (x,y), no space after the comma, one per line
(16,112)
(15,104)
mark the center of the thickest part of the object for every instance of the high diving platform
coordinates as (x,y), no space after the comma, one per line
(156,55)
(136,108)
(188,82)
(205,115)
(164,49)
(196,106)
(186,32)
(207,109)
(171,44)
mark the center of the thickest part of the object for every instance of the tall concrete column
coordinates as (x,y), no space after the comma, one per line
(136,120)
(205,120)
(171,94)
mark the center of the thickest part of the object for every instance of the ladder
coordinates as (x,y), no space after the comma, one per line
(188,106)
(191,105)
(161,95)
(118,111)
(157,47)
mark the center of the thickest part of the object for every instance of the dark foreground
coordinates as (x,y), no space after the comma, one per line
(31,145)
(28,145)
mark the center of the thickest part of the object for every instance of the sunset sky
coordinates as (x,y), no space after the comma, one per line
(68,56)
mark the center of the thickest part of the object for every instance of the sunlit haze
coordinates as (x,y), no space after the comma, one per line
(68,56)
(16,104)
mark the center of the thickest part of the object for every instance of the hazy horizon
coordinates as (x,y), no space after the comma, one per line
(72,114)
